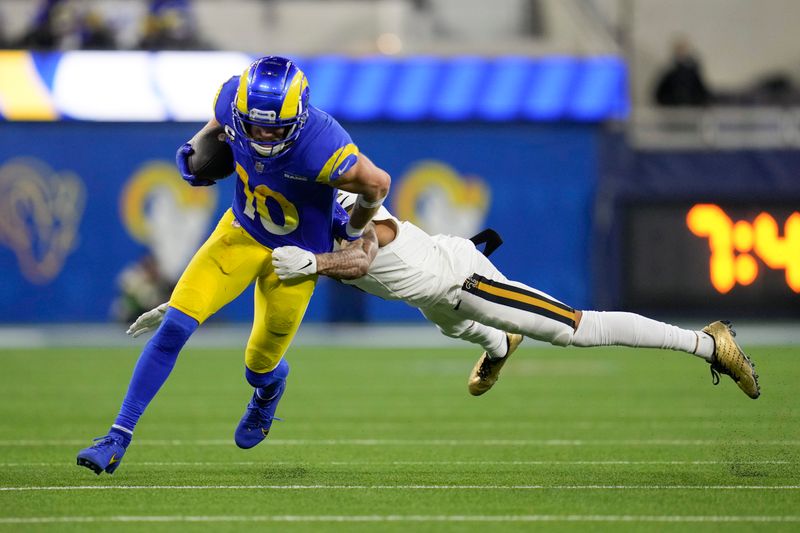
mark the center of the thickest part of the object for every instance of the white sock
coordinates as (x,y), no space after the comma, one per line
(490,339)
(500,350)
(612,328)
(705,346)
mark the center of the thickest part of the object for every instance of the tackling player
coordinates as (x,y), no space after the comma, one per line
(290,158)
(457,288)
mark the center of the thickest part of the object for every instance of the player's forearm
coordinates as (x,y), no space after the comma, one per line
(344,264)
(361,215)
(372,185)
(368,204)
(352,261)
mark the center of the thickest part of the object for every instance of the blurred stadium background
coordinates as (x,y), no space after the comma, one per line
(535,117)
(634,154)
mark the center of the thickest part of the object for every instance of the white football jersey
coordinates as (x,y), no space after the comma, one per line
(418,268)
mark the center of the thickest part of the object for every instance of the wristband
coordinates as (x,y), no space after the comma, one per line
(369,205)
(352,232)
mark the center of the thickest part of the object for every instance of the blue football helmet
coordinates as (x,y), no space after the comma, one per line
(273,95)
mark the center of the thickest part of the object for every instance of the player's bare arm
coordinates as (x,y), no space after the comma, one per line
(351,262)
(354,258)
(371,183)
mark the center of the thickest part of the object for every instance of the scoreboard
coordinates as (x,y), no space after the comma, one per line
(739,257)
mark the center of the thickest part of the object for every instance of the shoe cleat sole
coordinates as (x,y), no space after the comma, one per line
(90,465)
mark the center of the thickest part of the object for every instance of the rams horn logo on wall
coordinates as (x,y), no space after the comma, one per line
(140,189)
(161,212)
(40,213)
(436,198)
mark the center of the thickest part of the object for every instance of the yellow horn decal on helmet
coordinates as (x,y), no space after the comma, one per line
(216,97)
(241,92)
(292,100)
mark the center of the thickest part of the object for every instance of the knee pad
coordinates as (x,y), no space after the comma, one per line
(266,356)
(562,338)
(552,331)
(265,379)
(175,330)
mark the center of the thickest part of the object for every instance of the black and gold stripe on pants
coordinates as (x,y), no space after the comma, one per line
(518,298)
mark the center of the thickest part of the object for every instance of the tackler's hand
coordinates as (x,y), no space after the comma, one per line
(182,160)
(291,262)
(148,321)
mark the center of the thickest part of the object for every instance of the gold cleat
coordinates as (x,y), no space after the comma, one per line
(731,360)
(487,370)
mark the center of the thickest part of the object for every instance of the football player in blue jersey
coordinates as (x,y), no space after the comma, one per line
(290,159)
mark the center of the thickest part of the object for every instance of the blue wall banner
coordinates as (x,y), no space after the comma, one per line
(179,86)
(91,213)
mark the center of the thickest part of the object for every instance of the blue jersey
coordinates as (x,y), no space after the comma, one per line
(285,200)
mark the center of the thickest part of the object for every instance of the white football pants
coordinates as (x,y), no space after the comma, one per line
(490,299)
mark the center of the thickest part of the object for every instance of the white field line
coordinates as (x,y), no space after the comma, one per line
(404,518)
(416,463)
(400,487)
(422,442)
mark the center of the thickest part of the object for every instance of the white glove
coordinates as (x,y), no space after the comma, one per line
(291,262)
(148,321)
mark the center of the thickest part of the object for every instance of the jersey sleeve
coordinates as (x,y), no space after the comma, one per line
(335,152)
(383,214)
(338,163)
(340,220)
(223,100)
(346,199)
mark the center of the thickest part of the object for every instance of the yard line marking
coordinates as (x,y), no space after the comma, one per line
(401,518)
(400,487)
(546,463)
(425,442)
(412,463)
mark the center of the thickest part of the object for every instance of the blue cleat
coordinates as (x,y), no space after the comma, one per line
(105,454)
(254,425)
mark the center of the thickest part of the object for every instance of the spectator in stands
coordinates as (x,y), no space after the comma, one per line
(67,25)
(41,35)
(96,34)
(682,83)
(774,89)
(171,25)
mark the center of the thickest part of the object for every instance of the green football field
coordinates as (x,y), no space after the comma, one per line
(389,439)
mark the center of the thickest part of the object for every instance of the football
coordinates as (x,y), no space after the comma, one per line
(212,157)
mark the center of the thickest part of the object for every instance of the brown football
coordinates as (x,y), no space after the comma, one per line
(212,158)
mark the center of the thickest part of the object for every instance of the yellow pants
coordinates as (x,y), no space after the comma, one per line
(227,263)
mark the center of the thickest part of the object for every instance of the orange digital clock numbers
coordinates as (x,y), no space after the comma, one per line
(735,246)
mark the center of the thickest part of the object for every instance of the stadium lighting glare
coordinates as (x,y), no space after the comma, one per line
(104,85)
